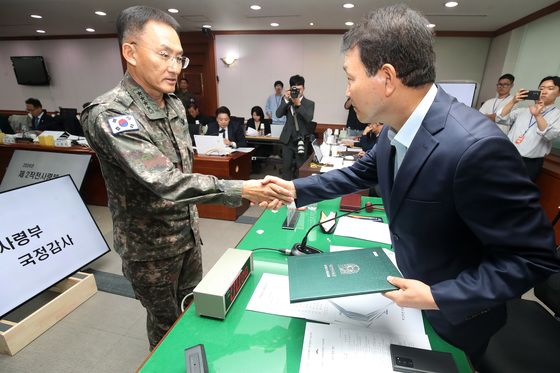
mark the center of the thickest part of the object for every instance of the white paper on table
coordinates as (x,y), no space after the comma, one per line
(243,150)
(338,348)
(272,295)
(354,149)
(363,229)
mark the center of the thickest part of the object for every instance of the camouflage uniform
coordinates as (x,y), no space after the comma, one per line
(152,192)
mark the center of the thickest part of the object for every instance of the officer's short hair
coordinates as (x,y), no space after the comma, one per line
(395,35)
(33,102)
(509,77)
(279,82)
(133,19)
(192,105)
(223,110)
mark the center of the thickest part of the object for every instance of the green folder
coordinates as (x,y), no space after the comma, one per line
(339,274)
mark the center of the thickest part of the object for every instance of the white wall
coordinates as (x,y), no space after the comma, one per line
(529,52)
(461,58)
(263,59)
(266,58)
(538,54)
(497,56)
(80,70)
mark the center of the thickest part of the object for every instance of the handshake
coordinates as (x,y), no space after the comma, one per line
(270,193)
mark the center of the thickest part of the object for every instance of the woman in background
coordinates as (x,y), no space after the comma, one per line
(258,121)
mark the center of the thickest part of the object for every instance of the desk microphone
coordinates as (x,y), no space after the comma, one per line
(303,249)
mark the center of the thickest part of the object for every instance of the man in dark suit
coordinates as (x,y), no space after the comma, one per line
(41,121)
(299,113)
(232,131)
(467,227)
(196,121)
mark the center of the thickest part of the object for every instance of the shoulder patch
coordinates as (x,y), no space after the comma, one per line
(123,123)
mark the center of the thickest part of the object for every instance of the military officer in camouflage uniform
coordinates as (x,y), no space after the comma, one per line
(140,134)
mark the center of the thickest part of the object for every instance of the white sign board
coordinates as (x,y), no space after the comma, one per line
(47,233)
(29,167)
(463,91)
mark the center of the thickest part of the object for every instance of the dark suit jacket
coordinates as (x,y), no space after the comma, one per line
(267,123)
(194,129)
(236,132)
(367,141)
(463,214)
(48,123)
(304,115)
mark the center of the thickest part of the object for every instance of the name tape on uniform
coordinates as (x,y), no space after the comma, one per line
(123,123)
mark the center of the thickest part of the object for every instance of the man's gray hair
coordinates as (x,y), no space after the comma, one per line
(132,20)
(395,35)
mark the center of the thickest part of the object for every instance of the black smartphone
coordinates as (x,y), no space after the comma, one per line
(195,359)
(416,360)
(533,95)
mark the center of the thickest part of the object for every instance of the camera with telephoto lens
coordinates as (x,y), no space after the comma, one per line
(300,145)
(294,92)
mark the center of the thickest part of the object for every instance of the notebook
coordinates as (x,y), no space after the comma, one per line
(339,274)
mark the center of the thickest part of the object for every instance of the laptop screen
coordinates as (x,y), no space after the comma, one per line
(317,150)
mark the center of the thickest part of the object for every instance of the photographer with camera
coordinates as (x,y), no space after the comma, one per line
(299,113)
(534,128)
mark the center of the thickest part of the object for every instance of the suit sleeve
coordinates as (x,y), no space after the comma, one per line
(517,239)
(136,154)
(361,175)
(307,111)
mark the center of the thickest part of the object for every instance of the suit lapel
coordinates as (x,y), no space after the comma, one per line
(421,148)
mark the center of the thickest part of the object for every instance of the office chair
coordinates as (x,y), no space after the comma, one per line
(240,120)
(548,291)
(70,122)
(5,125)
(530,340)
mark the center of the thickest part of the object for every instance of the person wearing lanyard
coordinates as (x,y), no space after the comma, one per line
(534,128)
(272,103)
(495,105)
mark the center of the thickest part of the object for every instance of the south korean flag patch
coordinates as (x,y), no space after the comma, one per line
(123,123)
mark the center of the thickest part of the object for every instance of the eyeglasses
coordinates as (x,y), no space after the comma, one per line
(500,85)
(171,60)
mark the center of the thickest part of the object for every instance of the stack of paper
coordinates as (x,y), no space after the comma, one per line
(339,348)
(363,229)
(358,329)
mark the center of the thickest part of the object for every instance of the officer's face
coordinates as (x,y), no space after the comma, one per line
(157,74)
(223,120)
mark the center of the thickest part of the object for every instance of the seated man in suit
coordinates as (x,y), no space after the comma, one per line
(258,121)
(41,121)
(232,132)
(466,224)
(299,113)
(196,121)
